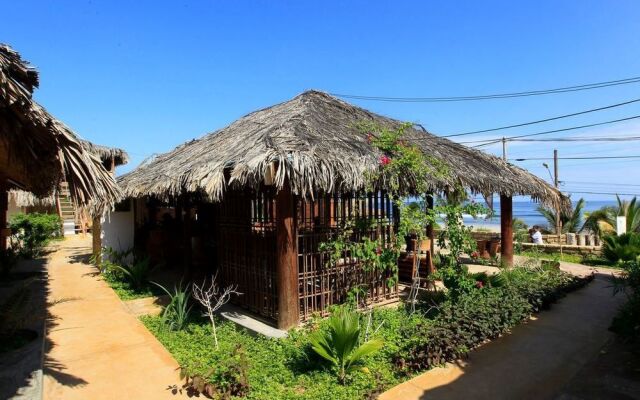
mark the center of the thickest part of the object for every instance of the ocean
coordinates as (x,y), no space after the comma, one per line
(527,211)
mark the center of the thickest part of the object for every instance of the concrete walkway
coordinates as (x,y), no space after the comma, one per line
(96,349)
(536,361)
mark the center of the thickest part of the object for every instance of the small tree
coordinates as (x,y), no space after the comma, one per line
(212,298)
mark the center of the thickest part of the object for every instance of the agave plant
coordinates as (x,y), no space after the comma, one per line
(570,221)
(625,247)
(136,273)
(339,344)
(176,314)
(604,220)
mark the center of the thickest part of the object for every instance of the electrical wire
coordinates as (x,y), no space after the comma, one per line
(601,183)
(567,139)
(490,141)
(544,120)
(573,158)
(606,193)
(566,89)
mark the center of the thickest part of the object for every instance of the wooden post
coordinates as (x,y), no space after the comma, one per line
(96,237)
(430,233)
(287,259)
(186,236)
(506,230)
(96,225)
(4,207)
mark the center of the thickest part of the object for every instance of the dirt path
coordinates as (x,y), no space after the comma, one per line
(96,349)
(534,362)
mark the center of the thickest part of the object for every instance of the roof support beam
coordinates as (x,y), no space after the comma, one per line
(506,230)
(287,259)
(4,207)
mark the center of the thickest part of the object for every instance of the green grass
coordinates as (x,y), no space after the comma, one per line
(126,292)
(591,259)
(281,369)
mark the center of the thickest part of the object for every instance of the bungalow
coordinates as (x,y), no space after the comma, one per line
(254,200)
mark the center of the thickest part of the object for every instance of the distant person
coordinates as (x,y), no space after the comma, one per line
(536,237)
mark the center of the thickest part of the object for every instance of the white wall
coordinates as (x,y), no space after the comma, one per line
(117,230)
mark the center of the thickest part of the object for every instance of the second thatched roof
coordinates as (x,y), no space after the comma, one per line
(40,149)
(316,137)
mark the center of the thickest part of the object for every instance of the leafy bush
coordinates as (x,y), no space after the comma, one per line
(33,231)
(176,314)
(234,381)
(537,286)
(626,323)
(473,316)
(625,247)
(136,273)
(339,344)
(460,326)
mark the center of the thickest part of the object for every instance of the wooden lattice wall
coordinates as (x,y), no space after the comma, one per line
(322,284)
(246,249)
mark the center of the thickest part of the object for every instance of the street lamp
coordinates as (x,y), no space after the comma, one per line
(544,164)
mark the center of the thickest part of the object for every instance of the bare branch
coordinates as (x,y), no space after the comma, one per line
(212,298)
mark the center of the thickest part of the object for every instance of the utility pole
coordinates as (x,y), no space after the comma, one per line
(504,148)
(556,183)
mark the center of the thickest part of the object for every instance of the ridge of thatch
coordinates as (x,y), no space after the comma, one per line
(316,138)
(22,198)
(106,154)
(47,149)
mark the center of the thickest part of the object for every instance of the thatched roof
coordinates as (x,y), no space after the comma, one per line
(316,138)
(44,147)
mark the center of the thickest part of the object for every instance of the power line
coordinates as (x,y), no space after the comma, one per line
(581,139)
(544,120)
(566,89)
(601,183)
(568,139)
(607,193)
(490,141)
(574,158)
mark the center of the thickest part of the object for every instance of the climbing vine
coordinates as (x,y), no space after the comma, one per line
(405,171)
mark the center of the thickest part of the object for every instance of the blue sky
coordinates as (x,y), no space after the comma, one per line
(149,75)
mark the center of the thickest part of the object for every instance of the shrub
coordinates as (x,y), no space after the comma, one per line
(234,381)
(33,231)
(339,344)
(136,273)
(176,314)
(475,317)
(539,286)
(626,323)
(625,247)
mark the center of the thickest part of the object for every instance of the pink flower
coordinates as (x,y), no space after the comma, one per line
(385,160)
(479,284)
